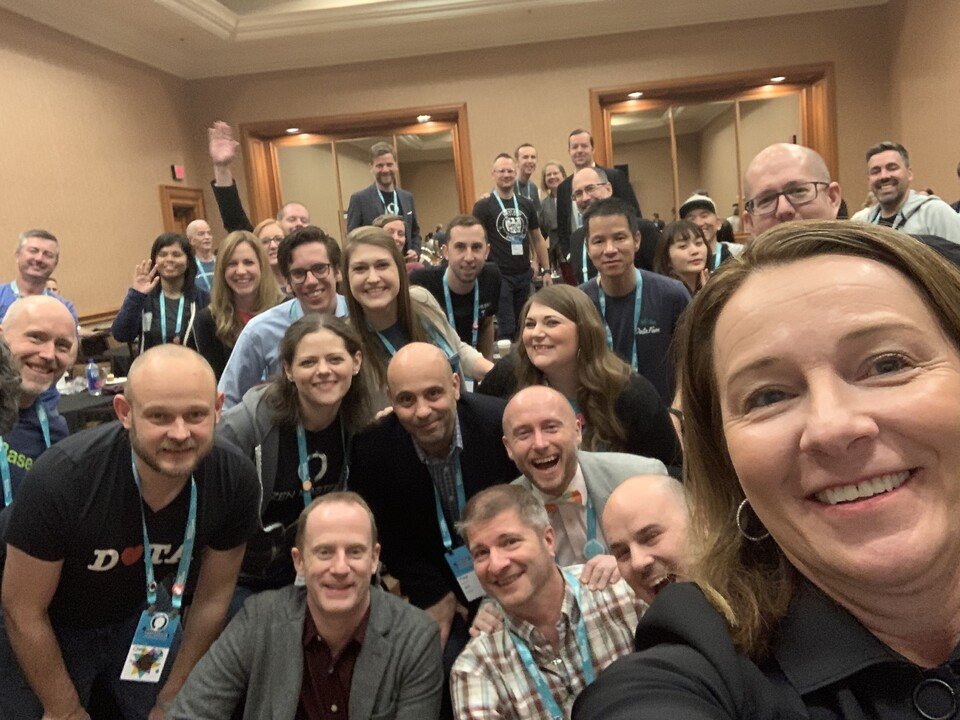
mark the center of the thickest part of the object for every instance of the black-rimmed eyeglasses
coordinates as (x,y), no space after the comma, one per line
(796,195)
(319,271)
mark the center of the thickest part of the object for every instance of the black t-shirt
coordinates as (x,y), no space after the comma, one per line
(500,224)
(325,456)
(79,504)
(663,300)
(489,281)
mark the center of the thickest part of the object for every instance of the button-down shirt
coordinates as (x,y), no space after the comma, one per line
(489,680)
(569,522)
(443,472)
(325,691)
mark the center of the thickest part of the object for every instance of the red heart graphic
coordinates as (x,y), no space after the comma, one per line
(131,555)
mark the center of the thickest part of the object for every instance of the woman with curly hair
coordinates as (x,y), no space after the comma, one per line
(243,287)
(563,345)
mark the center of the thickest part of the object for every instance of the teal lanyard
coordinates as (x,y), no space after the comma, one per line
(394,207)
(437,340)
(203,274)
(528,194)
(638,300)
(16,290)
(186,551)
(461,502)
(898,219)
(306,482)
(583,645)
(516,204)
(163,317)
(5,463)
(476,308)
(585,278)
(717,255)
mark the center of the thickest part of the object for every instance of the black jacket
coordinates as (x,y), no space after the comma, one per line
(618,183)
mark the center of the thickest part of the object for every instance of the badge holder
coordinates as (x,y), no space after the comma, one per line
(151,646)
(461,564)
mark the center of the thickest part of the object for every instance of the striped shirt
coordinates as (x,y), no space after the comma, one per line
(489,680)
(443,472)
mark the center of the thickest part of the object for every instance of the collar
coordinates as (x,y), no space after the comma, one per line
(569,615)
(577,482)
(456,447)
(312,638)
(820,643)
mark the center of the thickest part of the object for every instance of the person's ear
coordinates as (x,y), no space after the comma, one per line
(123,410)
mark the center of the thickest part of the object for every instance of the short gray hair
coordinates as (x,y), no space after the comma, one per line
(489,503)
(37,233)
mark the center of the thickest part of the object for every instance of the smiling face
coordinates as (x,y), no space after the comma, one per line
(550,339)
(37,258)
(513,561)
(424,392)
(243,271)
(384,170)
(398,231)
(171,262)
(707,221)
(374,278)
(294,217)
(688,255)
(527,160)
(337,559)
(42,337)
(466,251)
(645,522)
(271,235)
(580,147)
(504,173)
(316,294)
(542,435)
(322,369)
(889,179)
(552,176)
(838,392)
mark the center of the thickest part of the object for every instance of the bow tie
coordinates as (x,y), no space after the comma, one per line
(574,497)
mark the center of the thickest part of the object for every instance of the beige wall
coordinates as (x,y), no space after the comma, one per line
(86,137)
(925,100)
(718,161)
(767,121)
(307,176)
(651,172)
(434,188)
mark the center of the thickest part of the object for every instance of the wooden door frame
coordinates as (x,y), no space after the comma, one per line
(177,196)
(259,141)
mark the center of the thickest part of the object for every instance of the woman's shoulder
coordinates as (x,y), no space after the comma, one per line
(685,666)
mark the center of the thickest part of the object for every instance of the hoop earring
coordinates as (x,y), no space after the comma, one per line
(740,524)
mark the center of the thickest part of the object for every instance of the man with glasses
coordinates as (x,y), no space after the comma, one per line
(223,149)
(787,182)
(590,185)
(309,260)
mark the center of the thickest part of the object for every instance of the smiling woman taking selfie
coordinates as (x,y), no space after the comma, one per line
(821,384)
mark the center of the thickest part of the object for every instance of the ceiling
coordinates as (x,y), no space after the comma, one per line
(206,38)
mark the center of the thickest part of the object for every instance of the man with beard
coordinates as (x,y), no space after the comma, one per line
(383,197)
(116,531)
(899,207)
(42,338)
(469,287)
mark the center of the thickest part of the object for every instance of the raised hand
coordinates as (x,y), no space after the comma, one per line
(221,145)
(145,278)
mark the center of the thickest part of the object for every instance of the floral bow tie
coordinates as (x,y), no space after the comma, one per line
(571,496)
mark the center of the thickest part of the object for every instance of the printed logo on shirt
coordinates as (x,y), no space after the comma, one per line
(511,223)
(107,559)
(17,459)
(648,327)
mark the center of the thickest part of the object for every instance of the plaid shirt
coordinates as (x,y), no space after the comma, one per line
(443,471)
(488,680)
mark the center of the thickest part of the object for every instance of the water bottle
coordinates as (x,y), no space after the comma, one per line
(94,379)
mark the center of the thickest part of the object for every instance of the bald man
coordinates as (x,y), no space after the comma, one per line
(42,337)
(542,436)
(77,576)
(646,523)
(417,469)
(201,240)
(787,182)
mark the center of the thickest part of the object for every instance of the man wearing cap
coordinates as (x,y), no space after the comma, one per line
(702,212)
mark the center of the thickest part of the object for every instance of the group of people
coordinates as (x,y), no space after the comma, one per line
(709,479)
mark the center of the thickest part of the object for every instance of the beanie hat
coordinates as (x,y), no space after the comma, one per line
(697,202)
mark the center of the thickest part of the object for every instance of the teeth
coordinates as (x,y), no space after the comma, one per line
(866,489)
(546,461)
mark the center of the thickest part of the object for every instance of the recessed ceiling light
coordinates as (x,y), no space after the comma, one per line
(778,78)
(423,118)
(635,95)
(293,131)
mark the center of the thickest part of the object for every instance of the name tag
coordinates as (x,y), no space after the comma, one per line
(461,564)
(516,245)
(151,646)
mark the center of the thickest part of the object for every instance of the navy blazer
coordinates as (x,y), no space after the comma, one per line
(365,207)
(621,189)
(387,472)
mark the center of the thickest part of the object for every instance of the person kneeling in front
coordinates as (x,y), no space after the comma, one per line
(557,634)
(363,652)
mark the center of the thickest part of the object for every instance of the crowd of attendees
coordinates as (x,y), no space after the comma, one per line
(588,465)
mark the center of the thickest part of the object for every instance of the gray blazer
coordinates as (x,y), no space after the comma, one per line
(259,656)
(365,207)
(603,471)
